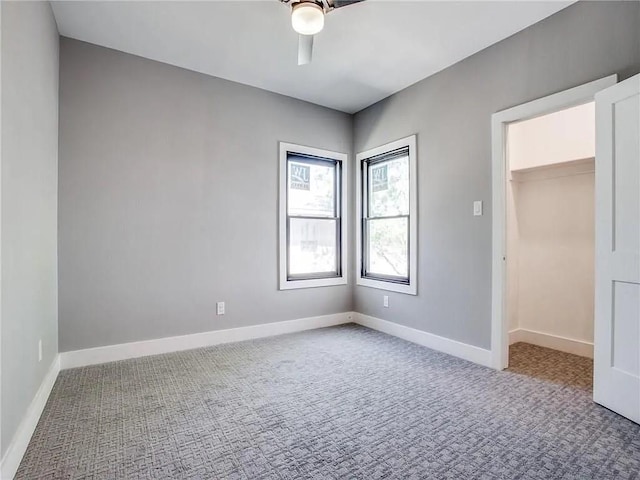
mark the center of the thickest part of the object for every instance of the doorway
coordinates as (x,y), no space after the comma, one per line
(616,343)
(550,242)
(537,170)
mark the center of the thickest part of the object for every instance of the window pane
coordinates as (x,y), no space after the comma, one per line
(311,188)
(388,247)
(389,188)
(312,246)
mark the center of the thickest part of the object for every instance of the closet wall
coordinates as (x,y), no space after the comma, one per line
(551,230)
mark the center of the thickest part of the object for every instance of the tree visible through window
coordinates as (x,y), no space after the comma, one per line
(386,214)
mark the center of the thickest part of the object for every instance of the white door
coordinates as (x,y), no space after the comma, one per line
(617,296)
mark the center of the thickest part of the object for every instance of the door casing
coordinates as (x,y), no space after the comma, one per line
(499,121)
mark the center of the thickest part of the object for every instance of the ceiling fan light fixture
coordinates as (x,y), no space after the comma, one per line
(307,18)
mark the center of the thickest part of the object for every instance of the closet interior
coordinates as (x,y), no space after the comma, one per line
(550,241)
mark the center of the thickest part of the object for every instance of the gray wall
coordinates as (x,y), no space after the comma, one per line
(168,199)
(451,112)
(168,183)
(29,204)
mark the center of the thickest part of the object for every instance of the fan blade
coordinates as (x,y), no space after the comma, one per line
(344,3)
(305,49)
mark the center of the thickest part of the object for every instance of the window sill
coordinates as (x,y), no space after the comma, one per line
(312,283)
(410,289)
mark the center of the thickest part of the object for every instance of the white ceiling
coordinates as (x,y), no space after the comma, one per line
(365,53)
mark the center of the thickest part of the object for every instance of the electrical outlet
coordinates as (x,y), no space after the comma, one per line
(477,208)
(385,301)
(40,350)
(220,308)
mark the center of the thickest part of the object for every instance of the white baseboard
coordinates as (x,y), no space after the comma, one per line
(434,342)
(20,442)
(123,351)
(111,353)
(563,344)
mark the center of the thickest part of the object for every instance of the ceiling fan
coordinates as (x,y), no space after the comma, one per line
(307,18)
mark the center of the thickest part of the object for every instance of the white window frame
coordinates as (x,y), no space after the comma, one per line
(412,287)
(285,283)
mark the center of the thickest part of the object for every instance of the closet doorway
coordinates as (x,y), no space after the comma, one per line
(550,245)
(538,164)
(616,324)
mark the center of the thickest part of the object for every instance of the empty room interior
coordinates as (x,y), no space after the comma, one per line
(328,239)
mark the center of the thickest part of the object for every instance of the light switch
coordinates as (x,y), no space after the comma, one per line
(477,208)
(385,301)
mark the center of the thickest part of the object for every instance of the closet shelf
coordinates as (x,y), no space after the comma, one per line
(555,170)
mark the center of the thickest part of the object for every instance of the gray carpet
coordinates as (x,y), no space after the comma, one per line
(343,402)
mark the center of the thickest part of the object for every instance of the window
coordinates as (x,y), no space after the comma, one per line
(313,243)
(386,204)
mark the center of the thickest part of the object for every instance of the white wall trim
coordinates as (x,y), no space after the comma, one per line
(285,283)
(412,287)
(123,351)
(452,347)
(20,442)
(556,342)
(552,103)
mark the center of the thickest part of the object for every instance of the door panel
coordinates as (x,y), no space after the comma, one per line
(617,293)
(626,328)
(626,168)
